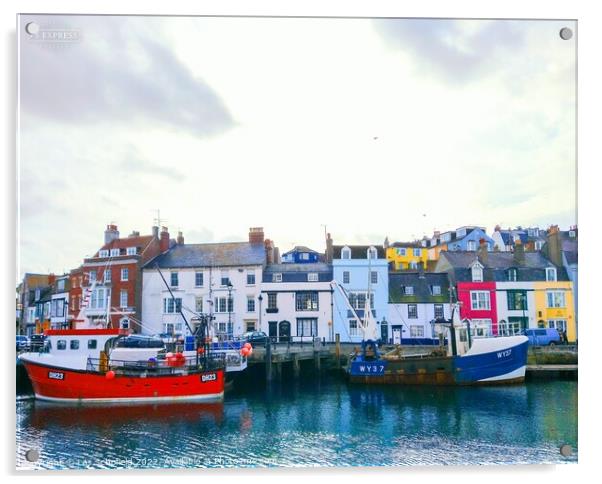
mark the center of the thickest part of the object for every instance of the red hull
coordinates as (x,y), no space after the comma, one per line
(61,384)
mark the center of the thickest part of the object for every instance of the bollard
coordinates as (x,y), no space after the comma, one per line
(337,349)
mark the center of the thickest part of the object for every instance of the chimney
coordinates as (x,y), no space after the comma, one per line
(164,241)
(519,253)
(180,239)
(329,249)
(256,235)
(155,232)
(554,245)
(51,279)
(386,243)
(269,251)
(111,233)
(483,254)
(497,228)
(277,255)
(134,233)
(436,234)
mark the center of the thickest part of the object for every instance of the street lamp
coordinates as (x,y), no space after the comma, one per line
(260,298)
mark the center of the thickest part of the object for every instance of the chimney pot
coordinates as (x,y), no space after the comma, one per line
(155,231)
(180,239)
(164,241)
(256,235)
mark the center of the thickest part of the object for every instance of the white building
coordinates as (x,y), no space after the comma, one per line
(297,302)
(416,299)
(59,303)
(219,279)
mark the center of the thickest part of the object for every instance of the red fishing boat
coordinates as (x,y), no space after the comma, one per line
(101,365)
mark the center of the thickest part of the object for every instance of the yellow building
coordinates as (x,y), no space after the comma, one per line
(407,255)
(555,307)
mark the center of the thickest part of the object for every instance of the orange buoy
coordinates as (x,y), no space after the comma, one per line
(109,375)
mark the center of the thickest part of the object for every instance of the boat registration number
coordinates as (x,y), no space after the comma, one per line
(208,377)
(56,375)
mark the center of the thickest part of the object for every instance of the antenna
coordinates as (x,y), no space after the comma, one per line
(159,222)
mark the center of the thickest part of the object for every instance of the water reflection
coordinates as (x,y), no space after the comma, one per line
(316,422)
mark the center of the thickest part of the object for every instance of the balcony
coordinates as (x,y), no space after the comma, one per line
(271,310)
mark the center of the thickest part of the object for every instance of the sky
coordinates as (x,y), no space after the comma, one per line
(373,128)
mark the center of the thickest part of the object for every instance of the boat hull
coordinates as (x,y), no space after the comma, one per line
(505,366)
(58,384)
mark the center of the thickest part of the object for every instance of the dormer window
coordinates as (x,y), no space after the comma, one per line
(477,273)
(408,290)
(114,252)
(277,277)
(436,290)
(572,234)
(538,244)
(471,245)
(551,274)
(131,251)
(312,277)
(371,253)
(103,253)
(346,253)
(512,275)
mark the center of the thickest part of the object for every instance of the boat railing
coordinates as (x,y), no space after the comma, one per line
(158,366)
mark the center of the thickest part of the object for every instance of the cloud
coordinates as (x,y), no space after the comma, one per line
(117,71)
(457,50)
(139,166)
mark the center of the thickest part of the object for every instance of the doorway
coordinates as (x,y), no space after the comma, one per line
(284,331)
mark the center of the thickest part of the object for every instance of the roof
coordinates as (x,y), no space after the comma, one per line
(224,254)
(125,242)
(497,263)
(422,287)
(300,248)
(358,251)
(416,245)
(312,267)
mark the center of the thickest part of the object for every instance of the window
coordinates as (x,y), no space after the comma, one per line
(572,234)
(512,275)
(307,327)
(114,252)
(92,276)
(250,304)
(480,327)
(107,275)
(401,252)
(250,326)
(272,300)
(224,305)
(417,252)
(438,311)
(559,324)
(98,298)
(436,290)
(37,295)
(304,256)
(123,298)
(306,301)
(103,253)
(412,311)
(550,274)
(358,300)
(198,304)
(374,277)
(250,278)
(312,277)
(125,274)
(538,244)
(371,253)
(480,300)
(198,279)
(346,253)
(517,300)
(172,305)
(353,328)
(477,273)
(413,265)
(408,290)
(225,278)
(416,331)
(471,245)
(60,285)
(61,344)
(92,343)
(346,277)
(74,344)
(556,299)
(277,277)
(131,251)
(174,279)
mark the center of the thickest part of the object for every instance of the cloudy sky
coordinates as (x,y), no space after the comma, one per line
(373,128)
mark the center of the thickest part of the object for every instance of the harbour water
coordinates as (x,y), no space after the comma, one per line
(322,421)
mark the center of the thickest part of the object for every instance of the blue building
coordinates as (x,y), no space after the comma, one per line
(355,268)
(465,238)
(300,255)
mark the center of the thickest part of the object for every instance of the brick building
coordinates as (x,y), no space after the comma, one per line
(111,281)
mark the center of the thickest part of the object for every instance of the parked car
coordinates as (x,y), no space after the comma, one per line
(543,337)
(255,337)
(22,342)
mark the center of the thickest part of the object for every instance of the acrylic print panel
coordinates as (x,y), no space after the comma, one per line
(283,242)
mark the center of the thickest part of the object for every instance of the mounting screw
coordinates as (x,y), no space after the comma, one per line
(566,33)
(32,455)
(566,450)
